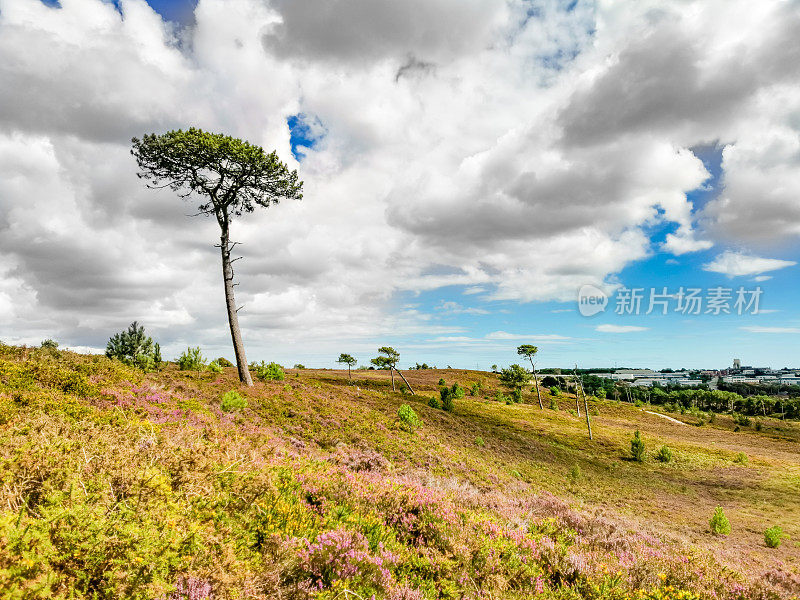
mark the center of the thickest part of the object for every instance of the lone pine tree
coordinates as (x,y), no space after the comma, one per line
(229,177)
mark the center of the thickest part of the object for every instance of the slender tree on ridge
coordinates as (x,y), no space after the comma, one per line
(349,361)
(530,351)
(229,177)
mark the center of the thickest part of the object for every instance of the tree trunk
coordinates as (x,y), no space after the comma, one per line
(585,406)
(406,382)
(233,317)
(391,371)
(536,382)
(349,377)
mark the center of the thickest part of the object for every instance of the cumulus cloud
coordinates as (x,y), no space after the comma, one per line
(369,30)
(737,264)
(683,243)
(517,150)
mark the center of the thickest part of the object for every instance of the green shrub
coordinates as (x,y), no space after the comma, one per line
(191,360)
(434,403)
(48,343)
(719,523)
(95,551)
(442,381)
(214,367)
(479,442)
(232,400)
(772,536)
(447,400)
(741,458)
(664,454)
(759,425)
(299,366)
(555,390)
(408,417)
(500,397)
(224,362)
(144,362)
(134,348)
(270,372)
(575,473)
(637,447)
(475,390)
(553,404)
(516,395)
(457,391)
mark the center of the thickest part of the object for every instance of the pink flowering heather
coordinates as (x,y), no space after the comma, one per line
(191,588)
(342,555)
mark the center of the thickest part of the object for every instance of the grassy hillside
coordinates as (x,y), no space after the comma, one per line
(115,483)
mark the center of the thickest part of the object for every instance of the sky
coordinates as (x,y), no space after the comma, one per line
(470,171)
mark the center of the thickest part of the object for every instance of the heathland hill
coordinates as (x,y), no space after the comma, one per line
(119,484)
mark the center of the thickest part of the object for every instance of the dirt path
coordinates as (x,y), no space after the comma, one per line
(650,412)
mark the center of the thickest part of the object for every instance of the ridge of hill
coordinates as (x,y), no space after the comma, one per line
(119,484)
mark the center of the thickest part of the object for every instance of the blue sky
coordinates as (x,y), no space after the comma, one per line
(565,337)
(179,11)
(672,340)
(467,166)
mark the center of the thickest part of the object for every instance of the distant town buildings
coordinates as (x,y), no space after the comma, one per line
(648,377)
(762,375)
(685,378)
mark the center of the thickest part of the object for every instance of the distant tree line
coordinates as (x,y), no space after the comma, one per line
(751,389)
(757,400)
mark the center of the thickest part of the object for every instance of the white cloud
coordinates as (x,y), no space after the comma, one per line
(683,243)
(608,328)
(518,155)
(736,264)
(474,290)
(504,335)
(759,329)
(456,309)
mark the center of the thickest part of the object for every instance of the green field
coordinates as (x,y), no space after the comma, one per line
(120,484)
